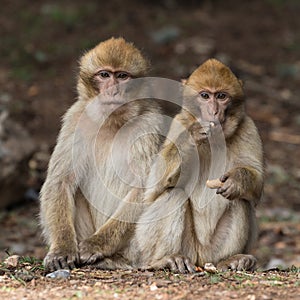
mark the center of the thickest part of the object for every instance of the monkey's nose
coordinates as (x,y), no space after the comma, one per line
(115,91)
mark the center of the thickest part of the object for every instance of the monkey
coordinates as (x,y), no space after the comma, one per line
(214,222)
(103,152)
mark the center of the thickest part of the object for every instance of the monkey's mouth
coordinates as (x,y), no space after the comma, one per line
(114,103)
(211,128)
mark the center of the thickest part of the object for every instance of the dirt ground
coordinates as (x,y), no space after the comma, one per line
(260,41)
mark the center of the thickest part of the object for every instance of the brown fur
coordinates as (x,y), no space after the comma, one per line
(115,53)
(223,229)
(72,225)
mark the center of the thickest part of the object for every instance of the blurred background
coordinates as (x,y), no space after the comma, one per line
(41,42)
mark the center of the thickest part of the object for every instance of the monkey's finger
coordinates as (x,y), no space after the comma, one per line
(252,267)
(234,265)
(247,262)
(50,266)
(89,259)
(172,265)
(222,190)
(84,259)
(71,262)
(63,264)
(95,258)
(242,264)
(190,267)
(227,194)
(56,264)
(224,177)
(180,265)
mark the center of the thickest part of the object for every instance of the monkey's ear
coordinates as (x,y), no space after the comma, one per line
(183,81)
(241,82)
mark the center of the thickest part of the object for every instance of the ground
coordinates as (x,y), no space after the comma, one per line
(91,284)
(259,40)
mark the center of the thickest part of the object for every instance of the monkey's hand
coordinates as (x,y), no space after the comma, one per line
(61,259)
(238,262)
(199,133)
(232,184)
(90,250)
(241,183)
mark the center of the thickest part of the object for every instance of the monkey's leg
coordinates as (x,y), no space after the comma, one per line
(115,233)
(57,205)
(84,225)
(159,233)
(230,246)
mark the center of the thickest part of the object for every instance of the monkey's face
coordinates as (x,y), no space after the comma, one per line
(109,83)
(219,96)
(105,68)
(213,105)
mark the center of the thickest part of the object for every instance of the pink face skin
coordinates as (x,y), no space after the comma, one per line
(107,81)
(213,105)
(108,77)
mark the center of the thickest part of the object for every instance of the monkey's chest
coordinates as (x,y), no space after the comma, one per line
(208,209)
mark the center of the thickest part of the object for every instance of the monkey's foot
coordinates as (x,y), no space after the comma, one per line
(90,252)
(176,263)
(238,262)
(56,260)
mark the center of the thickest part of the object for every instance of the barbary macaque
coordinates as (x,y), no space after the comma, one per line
(103,153)
(214,218)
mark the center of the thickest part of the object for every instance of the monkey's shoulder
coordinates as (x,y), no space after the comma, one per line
(186,118)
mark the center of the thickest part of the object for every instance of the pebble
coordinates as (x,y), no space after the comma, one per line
(59,274)
(276,263)
(210,268)
(12,261)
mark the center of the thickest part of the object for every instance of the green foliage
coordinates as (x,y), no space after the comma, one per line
(295,269)
(68,16)
(215,278)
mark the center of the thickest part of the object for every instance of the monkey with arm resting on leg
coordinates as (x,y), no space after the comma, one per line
(103,152)
(206,226)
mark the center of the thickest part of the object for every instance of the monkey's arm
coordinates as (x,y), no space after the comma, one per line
(118,229)
(164,174)
(244,180)
(57,203)
(184,135)
(116,232)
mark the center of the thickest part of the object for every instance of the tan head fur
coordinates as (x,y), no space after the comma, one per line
(114,53)
(213,74)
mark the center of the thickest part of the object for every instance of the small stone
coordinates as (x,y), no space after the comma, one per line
(153,287)
(210,268)
(59,274)
(12,261)
(275,263)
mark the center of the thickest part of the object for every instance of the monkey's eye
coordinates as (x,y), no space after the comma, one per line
(204,95)
(122,75)
(221,96)
(104,74)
